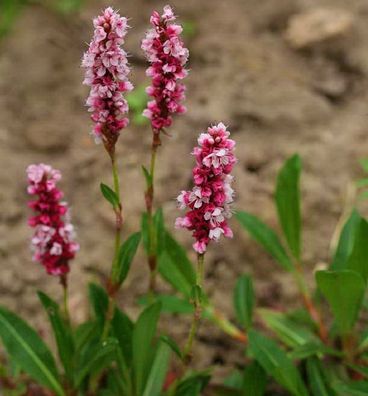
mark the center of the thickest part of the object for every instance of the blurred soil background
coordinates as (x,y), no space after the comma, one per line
(285,75)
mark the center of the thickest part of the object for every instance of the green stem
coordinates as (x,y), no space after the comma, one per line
(313,311)
(149,196)
(111,289)
(197,311)
(64,284)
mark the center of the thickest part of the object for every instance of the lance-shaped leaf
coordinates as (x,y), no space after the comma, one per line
(358,260)
(157,375)
(62,333)
(316,378)
(143,333)
(344,291)
(276,363)
(244,300)
(266,237)
(254,380)
(110,195)
(27,350)
(287,197)
(123,331)
(346,242)
(126,255)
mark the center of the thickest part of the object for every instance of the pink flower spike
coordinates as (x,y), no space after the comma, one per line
(107,71)
(53,242)
(208,203)
(167,56)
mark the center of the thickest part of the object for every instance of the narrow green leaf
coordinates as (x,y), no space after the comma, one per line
(97,359)
(287,197)
(344,291)
(193,384)
(290,333)
(244,300)
(123,331)
(110,195)
(157,375)
(276,363)
(364,163)
(358,260)
(147,176)
(159,226)
(99,301)
(62,333)
(27,349)
(143,333)
(346,242)
(126,255)
(314,348)
(316,379)
(254,380)
(172,273)
(172,344)
(354,388)
(266,237)
(170,304)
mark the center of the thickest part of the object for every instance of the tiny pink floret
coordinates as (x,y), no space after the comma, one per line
(167,56)
(107,73)
(208,203)
(53,242)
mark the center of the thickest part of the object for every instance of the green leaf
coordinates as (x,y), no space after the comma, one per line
(27,349)
(9,11)
(175,267)
(344,291)
(358,260)
(159,226)
(123,331)
(170,304)
(266,237)
(290,333)
(244,300)
(157,375)
(364,163)
(254,380)
(172,273)
(99,301)
(276,363)
(143,333)
(173,345)
(354,388)
(97,358)
(346,242)
(147,176)
(314,348)
(316,379)
(127,252)
(110,195)
(193,384)
(62,333)
(287,197)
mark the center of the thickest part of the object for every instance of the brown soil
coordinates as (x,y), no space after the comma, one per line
(276,101)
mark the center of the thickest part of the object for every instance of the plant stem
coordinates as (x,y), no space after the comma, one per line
(112,286)
(224,324)
(149,198)
(313,311)
(64,284)
(197,311)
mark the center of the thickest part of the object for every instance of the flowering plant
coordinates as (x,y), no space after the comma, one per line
(300,352)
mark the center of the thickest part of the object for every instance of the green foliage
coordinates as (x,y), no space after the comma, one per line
(244,300)
(266,237)
(254,380)
(110,195)
(9,11)
(287,197)
(126,255)
(27,350)
(276,363)
(344,291)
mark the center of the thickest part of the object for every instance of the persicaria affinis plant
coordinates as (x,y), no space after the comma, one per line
(305,351)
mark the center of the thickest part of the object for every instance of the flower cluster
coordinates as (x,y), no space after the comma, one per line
(167,55)
(107,72)
(53,240)
(209,201)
